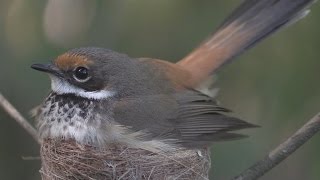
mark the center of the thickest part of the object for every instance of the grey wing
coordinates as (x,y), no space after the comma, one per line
(189,118)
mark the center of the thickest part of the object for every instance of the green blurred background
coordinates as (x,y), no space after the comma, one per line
(275,85)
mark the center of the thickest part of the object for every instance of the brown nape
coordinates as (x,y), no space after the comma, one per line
(177,75)
(69,61)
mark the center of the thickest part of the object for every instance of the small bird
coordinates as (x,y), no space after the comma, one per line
(100,97)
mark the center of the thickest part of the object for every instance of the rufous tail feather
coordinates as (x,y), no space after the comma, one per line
(251,22)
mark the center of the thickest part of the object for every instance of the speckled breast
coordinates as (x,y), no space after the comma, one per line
(67,116)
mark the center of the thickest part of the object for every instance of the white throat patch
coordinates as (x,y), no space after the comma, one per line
(60,86)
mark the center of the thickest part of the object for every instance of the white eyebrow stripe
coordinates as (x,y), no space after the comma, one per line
(60,86)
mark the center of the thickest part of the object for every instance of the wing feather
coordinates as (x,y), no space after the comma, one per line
(189,117)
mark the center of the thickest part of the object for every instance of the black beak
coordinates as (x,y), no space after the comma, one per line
(48,68)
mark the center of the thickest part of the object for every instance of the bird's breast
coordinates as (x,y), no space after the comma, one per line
(67,116)
(90,122)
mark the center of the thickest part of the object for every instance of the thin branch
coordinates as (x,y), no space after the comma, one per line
(282,151)
(31,158)
(12,111)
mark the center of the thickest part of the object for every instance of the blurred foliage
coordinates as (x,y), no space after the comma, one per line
(276,85)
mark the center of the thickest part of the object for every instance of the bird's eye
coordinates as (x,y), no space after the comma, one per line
(81,74)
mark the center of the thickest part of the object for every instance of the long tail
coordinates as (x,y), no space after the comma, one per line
(251,22)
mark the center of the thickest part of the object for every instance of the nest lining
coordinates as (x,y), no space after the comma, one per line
(66,159)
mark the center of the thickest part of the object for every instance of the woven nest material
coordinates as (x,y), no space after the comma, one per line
(69,160)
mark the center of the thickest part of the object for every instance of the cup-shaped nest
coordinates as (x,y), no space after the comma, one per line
(66,159)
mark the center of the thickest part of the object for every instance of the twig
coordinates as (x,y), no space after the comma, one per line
(31,158)
(282,151)
(12,111)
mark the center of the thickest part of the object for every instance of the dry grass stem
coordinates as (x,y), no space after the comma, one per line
(13,112)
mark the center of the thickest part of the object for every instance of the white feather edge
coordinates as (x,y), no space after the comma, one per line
(61,86)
